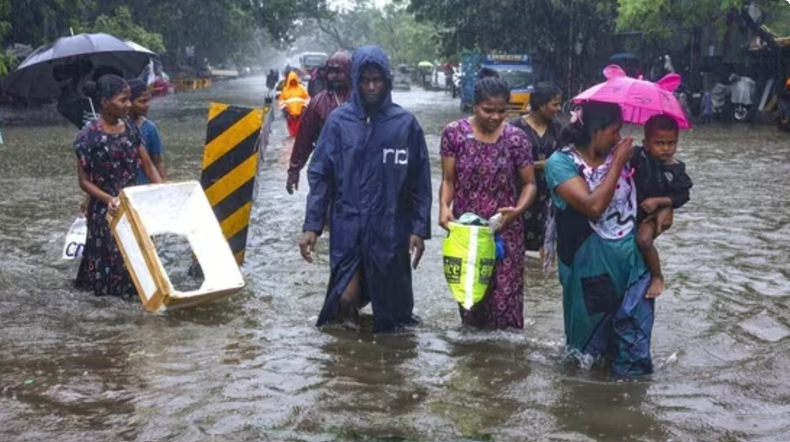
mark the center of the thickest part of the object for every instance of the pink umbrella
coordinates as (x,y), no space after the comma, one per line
(639,99)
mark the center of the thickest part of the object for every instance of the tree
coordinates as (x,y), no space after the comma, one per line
(406,40)
(220,30)
(563,35)
(6,61)
(393,28)
(121,25)
(659,18)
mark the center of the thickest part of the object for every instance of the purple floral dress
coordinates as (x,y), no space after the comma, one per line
(487,180)
(111,162)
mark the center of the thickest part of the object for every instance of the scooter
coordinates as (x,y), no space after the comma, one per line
(743,96)
(736,100)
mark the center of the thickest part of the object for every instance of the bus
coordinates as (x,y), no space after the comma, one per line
(311,60)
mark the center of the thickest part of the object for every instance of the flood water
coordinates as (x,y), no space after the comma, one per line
(254,368)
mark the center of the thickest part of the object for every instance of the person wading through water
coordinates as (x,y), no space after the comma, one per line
(141,102)
(371,168)
(110,152)
(293,100)
(543,133)
(338,69)
(487,169)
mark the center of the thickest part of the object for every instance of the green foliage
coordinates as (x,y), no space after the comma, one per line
(564,36)
(661,17)
(658,18)
(37,22)
(220,30)
(7,61)
(393,28)
(122,25)
(514,25)
(406,40)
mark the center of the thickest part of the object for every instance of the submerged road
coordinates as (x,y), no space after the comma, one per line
(78,368)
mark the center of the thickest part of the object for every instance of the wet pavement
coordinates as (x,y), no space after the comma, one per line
(74,367)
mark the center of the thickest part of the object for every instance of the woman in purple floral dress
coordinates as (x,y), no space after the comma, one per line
(109,153)
(487,169)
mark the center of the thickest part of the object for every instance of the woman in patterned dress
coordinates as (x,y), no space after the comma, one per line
(543,133)
(109,153)
(487,169)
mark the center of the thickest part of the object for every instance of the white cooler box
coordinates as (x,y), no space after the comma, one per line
(181,209)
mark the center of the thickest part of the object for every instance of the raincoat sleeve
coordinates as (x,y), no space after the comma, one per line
(320,175)
(420,183)
(303,146)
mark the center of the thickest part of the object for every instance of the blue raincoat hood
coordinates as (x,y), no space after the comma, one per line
(369,55)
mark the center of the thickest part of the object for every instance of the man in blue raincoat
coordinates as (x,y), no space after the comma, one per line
(371,170)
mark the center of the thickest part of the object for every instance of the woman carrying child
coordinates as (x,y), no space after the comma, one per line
(604,278)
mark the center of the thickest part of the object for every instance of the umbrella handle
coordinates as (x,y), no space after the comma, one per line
(93,109)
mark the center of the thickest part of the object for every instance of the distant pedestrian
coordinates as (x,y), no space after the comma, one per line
(293,100)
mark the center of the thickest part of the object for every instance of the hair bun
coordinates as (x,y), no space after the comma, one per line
(487,73)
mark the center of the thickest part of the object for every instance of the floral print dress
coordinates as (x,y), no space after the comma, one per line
(487,180)
(111,162)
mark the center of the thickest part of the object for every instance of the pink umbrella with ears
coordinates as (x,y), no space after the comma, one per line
(638,98)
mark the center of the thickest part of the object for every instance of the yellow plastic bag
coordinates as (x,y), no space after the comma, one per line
(469,258)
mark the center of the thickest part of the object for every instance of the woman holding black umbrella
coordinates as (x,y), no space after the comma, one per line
(109,152)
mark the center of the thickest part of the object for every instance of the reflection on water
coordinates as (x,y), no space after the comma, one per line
(74,367)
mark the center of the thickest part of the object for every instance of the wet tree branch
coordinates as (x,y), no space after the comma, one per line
(330,30)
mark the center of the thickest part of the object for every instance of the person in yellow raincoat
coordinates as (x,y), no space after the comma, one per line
(293,100)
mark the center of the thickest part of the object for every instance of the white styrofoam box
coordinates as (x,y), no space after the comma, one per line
(181,209)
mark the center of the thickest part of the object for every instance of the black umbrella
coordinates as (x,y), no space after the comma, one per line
(43,72)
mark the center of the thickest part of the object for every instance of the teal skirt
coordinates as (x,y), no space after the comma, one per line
(606,313)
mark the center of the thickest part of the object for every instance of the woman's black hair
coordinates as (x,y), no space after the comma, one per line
(489,85)
(543,94)
(588,118)
(107,87)
(137,88)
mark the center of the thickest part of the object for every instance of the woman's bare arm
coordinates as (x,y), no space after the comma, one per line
(148,167)
(91,189)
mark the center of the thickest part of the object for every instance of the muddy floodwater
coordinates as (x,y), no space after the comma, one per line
(254,368)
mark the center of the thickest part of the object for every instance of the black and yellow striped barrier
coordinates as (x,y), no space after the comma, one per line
(230,165)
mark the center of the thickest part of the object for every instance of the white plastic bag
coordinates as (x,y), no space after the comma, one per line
(75,239)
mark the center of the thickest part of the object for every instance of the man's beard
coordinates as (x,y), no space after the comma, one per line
(337,86)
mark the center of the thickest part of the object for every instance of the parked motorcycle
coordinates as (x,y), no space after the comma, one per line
(736,100)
